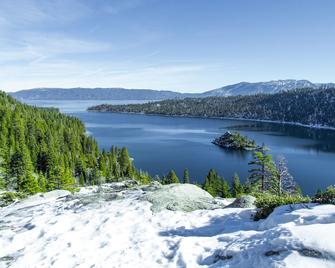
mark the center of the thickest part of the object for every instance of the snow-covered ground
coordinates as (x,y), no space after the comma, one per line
(118,229)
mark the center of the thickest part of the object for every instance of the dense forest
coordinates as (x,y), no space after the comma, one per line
(43,150)
(304,106)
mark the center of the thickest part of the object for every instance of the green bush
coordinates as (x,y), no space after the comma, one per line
(267,203)
(326,197)
(7,198)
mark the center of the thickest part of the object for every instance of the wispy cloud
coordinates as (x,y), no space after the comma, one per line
(35,47)
(71,43)
(21,13)
(118,6)
(73,74)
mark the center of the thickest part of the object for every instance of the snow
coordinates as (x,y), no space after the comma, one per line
(115,227)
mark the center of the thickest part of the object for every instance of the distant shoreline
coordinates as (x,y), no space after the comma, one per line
(225,118)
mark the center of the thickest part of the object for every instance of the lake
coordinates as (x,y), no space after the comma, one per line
(159,143)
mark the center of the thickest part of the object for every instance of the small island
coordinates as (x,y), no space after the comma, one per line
(235,141)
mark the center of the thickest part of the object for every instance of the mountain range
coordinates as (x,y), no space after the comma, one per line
(243,88)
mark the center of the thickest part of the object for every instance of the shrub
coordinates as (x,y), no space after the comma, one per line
(7,198)
(267,203)
(325,197)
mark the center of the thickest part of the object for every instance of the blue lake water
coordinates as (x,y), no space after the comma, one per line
(159,144)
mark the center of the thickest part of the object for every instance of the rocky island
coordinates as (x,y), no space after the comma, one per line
(235,141)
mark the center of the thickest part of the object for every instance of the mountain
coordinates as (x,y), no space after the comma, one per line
(94,94)
(243,88)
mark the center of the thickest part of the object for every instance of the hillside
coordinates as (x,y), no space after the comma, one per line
(43,150)
(308,107)
(242,88)
(93,94)
(271,87)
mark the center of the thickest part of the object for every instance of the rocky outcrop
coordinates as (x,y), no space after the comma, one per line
(245,201)
(180,197)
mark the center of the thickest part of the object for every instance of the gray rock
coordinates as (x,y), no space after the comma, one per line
(153,186)
(180,197)
(245,201)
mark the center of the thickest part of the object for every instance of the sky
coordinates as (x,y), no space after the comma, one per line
(181,45)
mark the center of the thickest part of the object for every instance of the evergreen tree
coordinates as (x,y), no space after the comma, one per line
(215,185)
(20,173)
(263,171)
(224,190)
(143,177)
(82,179)
(42,183)
(237,187)
(171,178)
(186,177)
(55,179)
(125,163)
(210,185)
(67,181)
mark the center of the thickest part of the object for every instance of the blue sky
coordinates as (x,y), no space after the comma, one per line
(182,45)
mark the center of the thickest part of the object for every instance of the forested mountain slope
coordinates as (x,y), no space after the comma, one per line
(304,106)
(270,87)
(42,149)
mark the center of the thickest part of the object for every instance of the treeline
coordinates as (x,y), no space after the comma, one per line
(266,175)
(304,106)
(43,150)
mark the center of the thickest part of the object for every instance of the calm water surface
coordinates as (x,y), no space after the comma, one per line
(159,144)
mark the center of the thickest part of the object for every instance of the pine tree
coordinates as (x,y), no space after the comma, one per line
(237,187)
(224,190)
(186,177)
(82,179)
(263,170)
(171,178)
(67,180)
(215,185)
(102,164)
(42,183)
(208,183)
(211,184)
(20,173)
(125,163)
(3,167)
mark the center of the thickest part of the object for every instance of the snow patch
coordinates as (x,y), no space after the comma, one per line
(64,230)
